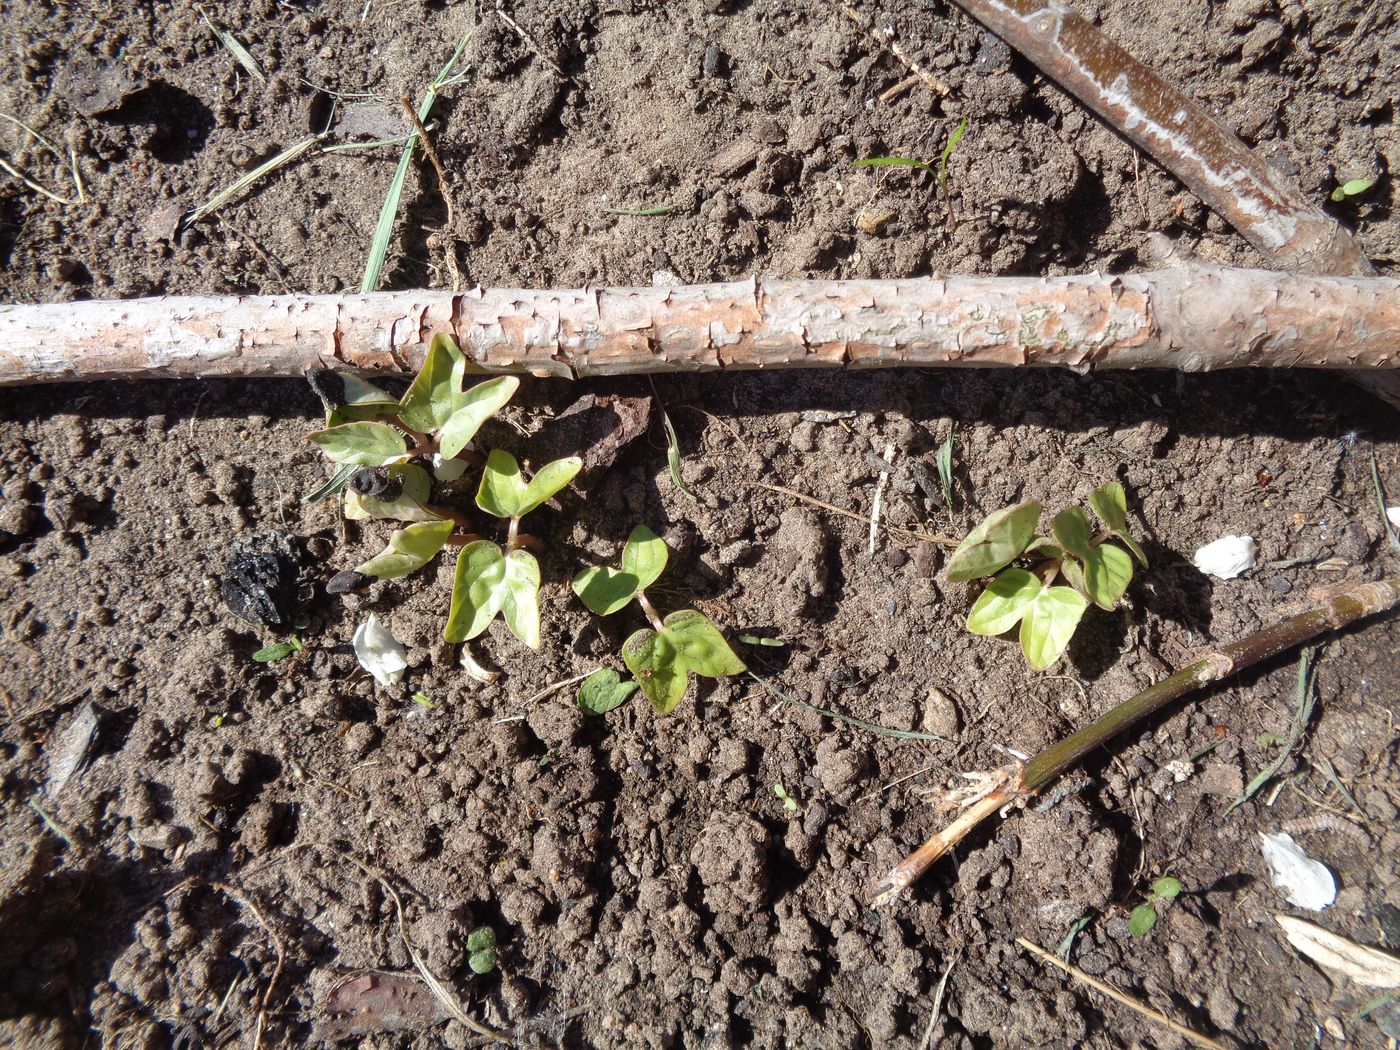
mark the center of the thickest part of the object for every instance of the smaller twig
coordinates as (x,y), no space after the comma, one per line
(926,537)
(885,38)
(895,783)
(1302,715)
(550,690)
(448,251)
(937,1010)
(531,43)
(892,93)
(1120,997)
(47,144)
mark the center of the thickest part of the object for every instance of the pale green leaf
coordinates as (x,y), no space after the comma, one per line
(363,444)
(433,396)
(995,543)
(472,409)
(1001,606)
(944,461)
(658,668)
(604,690)
(360,400)
(673,455)
(644,556)
(407,507)
(1166,888)
(1107,573)
(490,581)
(605,590)
(1072,531)
(1141,921)
(505,493)
(1049,624)
(408,549)
(1041,547)
(1110,503)
(700,644)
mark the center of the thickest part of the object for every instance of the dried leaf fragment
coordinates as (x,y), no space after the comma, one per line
(1369,966)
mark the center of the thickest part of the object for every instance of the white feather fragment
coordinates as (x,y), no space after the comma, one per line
(1304,882)
(448,470)
(379,652)
(1227,557)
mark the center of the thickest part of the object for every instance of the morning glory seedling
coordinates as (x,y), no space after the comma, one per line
(1026,593)
(661,657)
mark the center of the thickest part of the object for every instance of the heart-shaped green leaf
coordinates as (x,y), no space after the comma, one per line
(363,444)
(658,668)
(644,556)
(1001,606)
(995,543)
(434,394)
(472,409)
(362,400)
(700,644)
(1049,623)
(1071,529)
(408,549)
(490,581)
(1110,503)
(605,590)
(407,507)
(604,690)
(505,493)
(1141,921)
(1107,573)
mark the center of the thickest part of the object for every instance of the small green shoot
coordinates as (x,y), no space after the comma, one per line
(604,690)
(673,455)
(421,699)
(1305,701)
(662,657)
(481,950)
(1144,916)
(384,229)
(1352,188)
(789,803)
(893,162)
(753,639)
(944,462)
(1077,927)
(270,654)
(948,148)
(1095,571)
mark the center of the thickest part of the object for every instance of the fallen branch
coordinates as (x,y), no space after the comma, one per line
(1186,317)
(1251,195)
(1336,607)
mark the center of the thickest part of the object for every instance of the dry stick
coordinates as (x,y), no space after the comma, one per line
(449,249)
(1254,197)
(1120,997)
(1337,606)
(1184,317)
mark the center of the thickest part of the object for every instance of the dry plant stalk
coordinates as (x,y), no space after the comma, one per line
(1336,607)
(1186,317)
(1254,197)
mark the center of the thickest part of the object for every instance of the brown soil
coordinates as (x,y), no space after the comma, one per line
(647,886)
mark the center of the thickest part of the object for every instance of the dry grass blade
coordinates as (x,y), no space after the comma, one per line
(1120,997)
(234,46)
(1368,966)
(937,1010)
(14,172)
(232,190)
(1307,700)
(926,537)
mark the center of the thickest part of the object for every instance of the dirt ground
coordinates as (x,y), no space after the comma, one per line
(192,842)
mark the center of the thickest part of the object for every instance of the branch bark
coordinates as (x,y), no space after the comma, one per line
(1187,317)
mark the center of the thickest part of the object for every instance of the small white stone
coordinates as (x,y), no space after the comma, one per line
(1393,513)
(379,652)
(1304,882)
(1227,557)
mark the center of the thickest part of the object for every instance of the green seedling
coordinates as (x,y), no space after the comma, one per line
(1144,916)
(380,445)
(421,699)
(789,803)
(661,657)
(1025,567)
(270,654)
(1352,188)
(945,470)
(604,690)
(481,950)
(940,173)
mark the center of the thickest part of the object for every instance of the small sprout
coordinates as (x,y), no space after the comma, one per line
(753,639)
(673,455)
(604,690)
(945,470)
(1352,188)
(1144,916)
(1097,572)
(1227,557)
(481,949)
(892,162)
(270,654)
(661,657)
(379,652)
(951,145)
(789,803)
(421,699)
